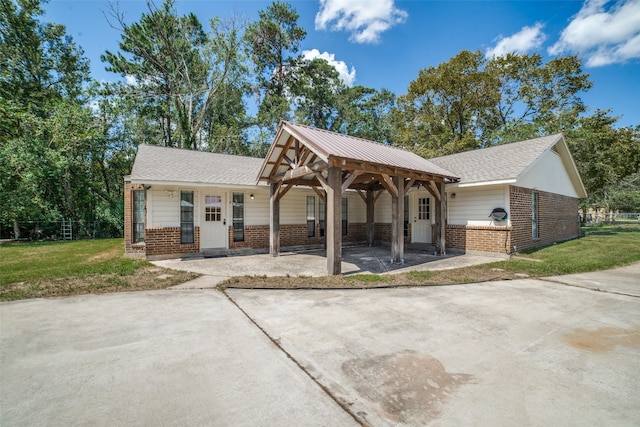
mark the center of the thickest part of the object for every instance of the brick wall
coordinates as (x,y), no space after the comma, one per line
(557,218)
(479,238)
(257,236)
(129,247)
(166,241)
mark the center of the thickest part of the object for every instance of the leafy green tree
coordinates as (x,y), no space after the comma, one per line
(272,43)
(365,113)
(315,93)
(470,101)
(179,70)
(41,76)
(605,156)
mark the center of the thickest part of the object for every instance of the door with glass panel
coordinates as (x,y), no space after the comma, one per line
(421,225)
(213,230)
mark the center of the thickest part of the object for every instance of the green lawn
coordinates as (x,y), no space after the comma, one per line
(601,248)
(23,262)
(42,269)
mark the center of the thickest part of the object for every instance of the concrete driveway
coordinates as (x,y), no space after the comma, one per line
(149,358)
(523,352)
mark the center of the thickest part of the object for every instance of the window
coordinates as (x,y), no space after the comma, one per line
(345,217)
(424,209)
(138,216)
(186,217)
(311,216)
(212,208)
(322,217)
(238,217)
(406,216)
(534,216)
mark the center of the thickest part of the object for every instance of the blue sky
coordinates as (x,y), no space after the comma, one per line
(385,43)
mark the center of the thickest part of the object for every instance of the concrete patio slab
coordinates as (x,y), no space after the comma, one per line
(312,263)
(523,352)
(149,358)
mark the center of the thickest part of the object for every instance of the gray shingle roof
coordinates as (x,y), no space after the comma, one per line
(162,164)
(501,162)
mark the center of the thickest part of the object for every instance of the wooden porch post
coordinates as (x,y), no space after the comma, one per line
(370,218)
(334,221)
(397,222)
(441,220)
(274,220)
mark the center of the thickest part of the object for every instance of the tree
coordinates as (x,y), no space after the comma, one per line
(178,69)
(41,78)
(447,107)
(315,92)
(605,156)
(470,101)
(271,43)
(366,113)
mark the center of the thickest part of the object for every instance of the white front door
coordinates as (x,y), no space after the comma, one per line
(213,230)
(421,221)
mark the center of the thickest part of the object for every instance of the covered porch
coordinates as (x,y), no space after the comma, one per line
(332,164)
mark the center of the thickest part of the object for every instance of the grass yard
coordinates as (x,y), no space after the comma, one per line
(601,248)
(45,269)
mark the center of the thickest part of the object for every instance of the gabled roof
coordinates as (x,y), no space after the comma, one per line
(337,149)
(155,164)
(505,163)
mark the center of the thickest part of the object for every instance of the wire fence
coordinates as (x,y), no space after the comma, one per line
(58,230)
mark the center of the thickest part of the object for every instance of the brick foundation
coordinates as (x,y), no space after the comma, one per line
(166,241)
(479,238)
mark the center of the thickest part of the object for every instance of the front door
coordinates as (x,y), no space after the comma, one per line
(213,233)
(421,221)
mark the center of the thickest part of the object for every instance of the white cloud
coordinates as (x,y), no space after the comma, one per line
(525,40)
(130,80)
(365,19)
(603,33)
(347,77)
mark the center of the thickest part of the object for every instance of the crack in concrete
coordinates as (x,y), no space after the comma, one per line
(276,342)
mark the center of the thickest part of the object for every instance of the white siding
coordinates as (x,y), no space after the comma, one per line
(472,206)
(256,211)
(383,208)
(548,174)
(162,210)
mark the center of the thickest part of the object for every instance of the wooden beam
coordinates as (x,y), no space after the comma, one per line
(389,185)
(371,226)
(274,220)
(397,222)
(280,157)
(284,190)
(443,219)
(408,185)
(362,195)
(320,194)
(347,182)
(378,194)
(334,221)
(433,189)
(323,181)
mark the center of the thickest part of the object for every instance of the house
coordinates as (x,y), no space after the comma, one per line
(317,187)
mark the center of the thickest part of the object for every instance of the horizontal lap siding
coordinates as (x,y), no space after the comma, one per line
(472,206)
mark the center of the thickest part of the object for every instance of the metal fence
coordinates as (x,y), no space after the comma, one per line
(59,230)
